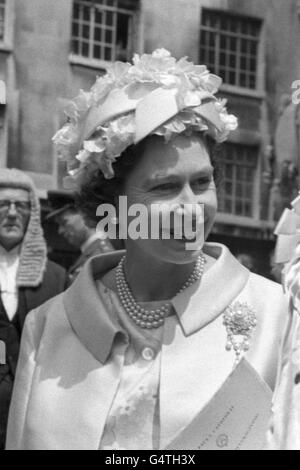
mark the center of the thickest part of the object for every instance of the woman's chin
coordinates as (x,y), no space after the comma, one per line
(180,251)
(169,251)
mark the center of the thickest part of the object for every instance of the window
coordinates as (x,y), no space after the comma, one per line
(229,47)
(238,186)
(104,29)
(2,19)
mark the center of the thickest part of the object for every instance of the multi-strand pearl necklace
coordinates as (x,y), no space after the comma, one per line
(150,318)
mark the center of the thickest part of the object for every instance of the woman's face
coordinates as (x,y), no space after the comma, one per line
(175,173)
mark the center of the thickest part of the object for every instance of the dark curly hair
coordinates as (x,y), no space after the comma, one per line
(100,190)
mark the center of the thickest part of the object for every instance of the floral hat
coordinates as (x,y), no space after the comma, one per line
(155,95)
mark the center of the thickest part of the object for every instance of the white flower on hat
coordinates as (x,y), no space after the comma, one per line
(102,123)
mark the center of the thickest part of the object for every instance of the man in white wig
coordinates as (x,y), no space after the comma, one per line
(27,278)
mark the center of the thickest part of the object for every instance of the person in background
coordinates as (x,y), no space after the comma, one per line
(284,433)
(276,269)
(73,227)
(27,278)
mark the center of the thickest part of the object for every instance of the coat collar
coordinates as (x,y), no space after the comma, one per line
(86,311)
(196,307)
(202,303)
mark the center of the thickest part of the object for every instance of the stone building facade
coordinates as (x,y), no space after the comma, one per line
(50,49)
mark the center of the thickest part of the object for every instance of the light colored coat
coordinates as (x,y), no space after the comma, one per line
(66,380)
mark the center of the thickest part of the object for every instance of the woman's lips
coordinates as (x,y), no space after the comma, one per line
(181,237)
(12,226)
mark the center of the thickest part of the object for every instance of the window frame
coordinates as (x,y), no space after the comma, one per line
(101,64)
(237,88)
(6,43)
(254,217)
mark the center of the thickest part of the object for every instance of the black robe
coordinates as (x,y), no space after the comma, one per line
(54,282)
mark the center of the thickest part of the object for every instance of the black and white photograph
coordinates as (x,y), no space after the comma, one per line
(149,227)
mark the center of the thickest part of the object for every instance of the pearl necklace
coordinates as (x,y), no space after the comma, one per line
(150,318)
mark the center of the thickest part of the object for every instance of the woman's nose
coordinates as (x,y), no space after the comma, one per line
(189,205)
(187,196)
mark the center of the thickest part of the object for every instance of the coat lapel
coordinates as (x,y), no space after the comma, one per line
(98,330)
(203,302)
(196,338)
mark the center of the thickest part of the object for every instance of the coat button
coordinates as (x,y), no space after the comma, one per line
(148,354)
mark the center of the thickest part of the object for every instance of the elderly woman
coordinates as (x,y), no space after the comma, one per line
(168,344)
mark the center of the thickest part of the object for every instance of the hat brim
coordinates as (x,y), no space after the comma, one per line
(59,211)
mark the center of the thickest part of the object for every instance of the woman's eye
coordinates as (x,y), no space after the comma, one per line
(202,182)
(165,187)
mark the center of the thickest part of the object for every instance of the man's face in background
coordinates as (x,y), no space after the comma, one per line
(14,216)
(72,227)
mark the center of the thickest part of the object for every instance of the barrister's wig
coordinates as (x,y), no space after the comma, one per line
(33,256)
(155,95)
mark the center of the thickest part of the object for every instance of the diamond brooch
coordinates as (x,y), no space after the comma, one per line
(239,320)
